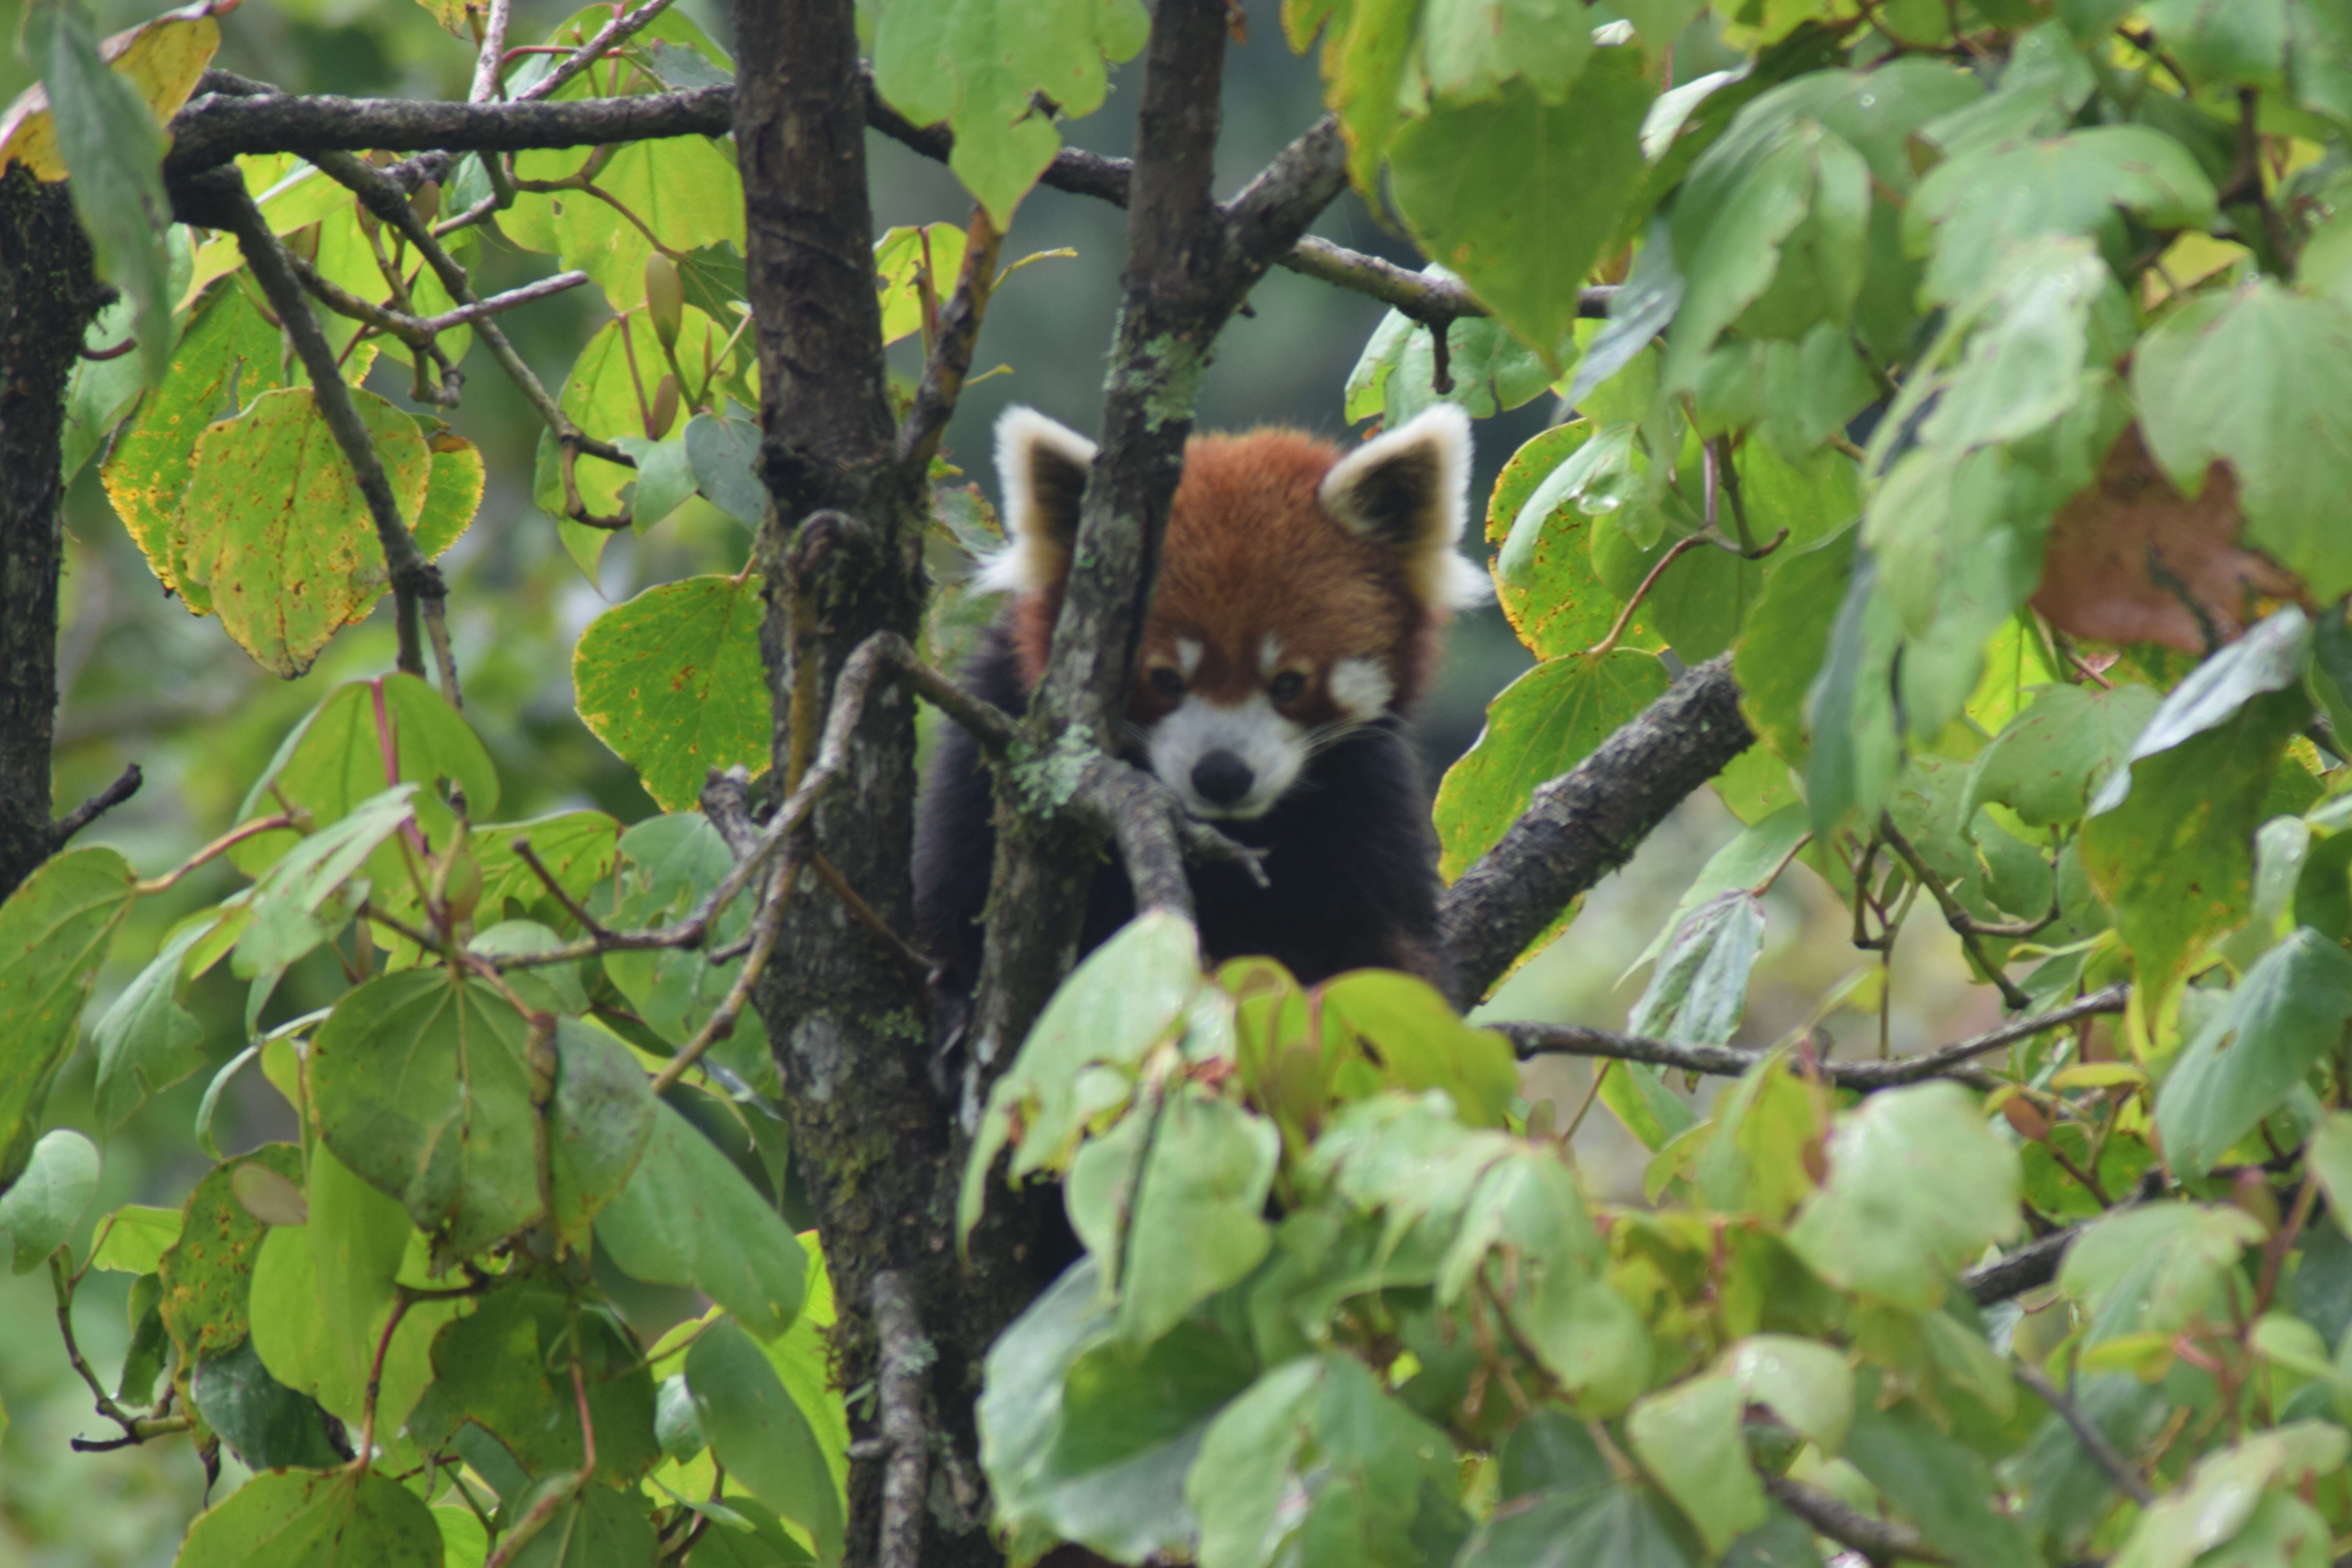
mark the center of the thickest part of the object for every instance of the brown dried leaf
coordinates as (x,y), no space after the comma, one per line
(2131,558)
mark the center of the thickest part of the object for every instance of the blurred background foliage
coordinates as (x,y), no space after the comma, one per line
(143,681)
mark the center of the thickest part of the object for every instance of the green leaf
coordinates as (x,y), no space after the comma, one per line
(1972,207)
(2286,1016)
(760,1435)
(269,1426)
(598,1124)
(2256,378)
(665,478)
(671,866)
(1745,862)
(685,188)
(2156,1269)
(44,1204)
(363,738)
(423,1087)
(725,457)
(1473,48)
(113,150)
(508,1367)
(1808,1385)
(1472,183)
(1745,201)
(286,902)
(1317,1454)
(687,1216)
(2329,1157)
(1917,1185)
(2227,1498)
(607,394)
(1787,638)
(146,1041)
(978,64)
(672,681)
(207,1273)
(1543,575)
(334,1520)
(596,1527)
(134,1238)
(2045,763)
(1395,378)
(2067,1488)
(1411,1034)
(1091,1439)
(1542,725)
(1943,1488)
(1200,1210)
(1698,991)
(273,534)
(228,356)
(55,930)
(1083,1053)
(2175,860)
(1689,1438)
(1851,722)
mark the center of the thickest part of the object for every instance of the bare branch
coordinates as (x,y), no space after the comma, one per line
(1881,1540)
(2095,1442)
(216,127)
(906,1362)
(1588,822)
(219,200)
(492,53)
(1729,1061)
(124,786)
(2014,1273)
(608,37)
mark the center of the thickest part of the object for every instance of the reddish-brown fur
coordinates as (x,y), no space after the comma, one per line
(1250,551)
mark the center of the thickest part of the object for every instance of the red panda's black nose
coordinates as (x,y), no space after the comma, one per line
(1222,777)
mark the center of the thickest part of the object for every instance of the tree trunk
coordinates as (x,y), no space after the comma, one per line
(47,299)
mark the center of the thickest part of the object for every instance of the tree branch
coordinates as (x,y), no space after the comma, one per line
(905,1363)
(1879,1540)
(218,199)
(124,786)
(1531,1040)
(1588,822)
(950,356)
(2095,1442)
(216,127)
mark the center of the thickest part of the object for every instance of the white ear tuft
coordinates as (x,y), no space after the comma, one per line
(1411,489)
(1043,467)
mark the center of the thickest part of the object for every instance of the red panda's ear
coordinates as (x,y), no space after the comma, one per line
(1043,467)
(1410,490)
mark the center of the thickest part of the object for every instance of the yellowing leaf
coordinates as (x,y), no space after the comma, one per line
(162,56)
(672,681)
(274,536)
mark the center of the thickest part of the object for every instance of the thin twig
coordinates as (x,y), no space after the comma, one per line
(1879,1540)
(414,578)
(218,847)
(906,1357)
(125,786)
(491,56)
(445,657)
(1963,926)
(1531,1040)
(767,924)
(908,957)
(608,37)
(951,348)
(572,906)
(2095,1442)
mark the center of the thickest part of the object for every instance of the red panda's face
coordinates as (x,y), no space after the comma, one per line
(1299,596)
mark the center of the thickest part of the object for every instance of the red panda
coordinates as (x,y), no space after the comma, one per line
(1300,603)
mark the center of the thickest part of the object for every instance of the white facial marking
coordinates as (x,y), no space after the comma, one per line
(1272,747)
(1361,687)
(1269,655)
(1188,656)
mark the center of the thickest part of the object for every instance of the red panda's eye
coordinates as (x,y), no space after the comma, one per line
(1166,682)
(1287,685)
